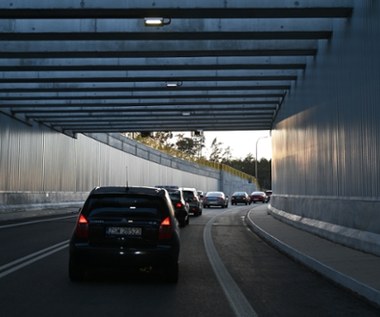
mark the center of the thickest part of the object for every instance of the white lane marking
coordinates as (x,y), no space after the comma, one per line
(236,298)
(31,258)
(35,221)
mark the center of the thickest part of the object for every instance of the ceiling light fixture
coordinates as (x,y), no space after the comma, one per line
(173,84)
(156,21)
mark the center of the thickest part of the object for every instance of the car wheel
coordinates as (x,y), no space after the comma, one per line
(76,271)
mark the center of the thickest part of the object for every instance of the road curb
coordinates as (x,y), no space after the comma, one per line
(344,280)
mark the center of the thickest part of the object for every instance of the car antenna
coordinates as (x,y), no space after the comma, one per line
(126,176)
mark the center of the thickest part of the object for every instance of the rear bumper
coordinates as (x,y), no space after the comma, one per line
(239,201)
(106,257)
(181,215)
(195,210)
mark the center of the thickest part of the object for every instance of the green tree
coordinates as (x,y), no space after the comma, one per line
(190,146)
(164,138)
(218,153)
(247,165)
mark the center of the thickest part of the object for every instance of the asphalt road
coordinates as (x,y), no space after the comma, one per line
(225,271)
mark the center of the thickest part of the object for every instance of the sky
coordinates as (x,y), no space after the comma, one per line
(242,143)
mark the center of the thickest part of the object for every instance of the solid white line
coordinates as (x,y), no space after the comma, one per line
(236,298)
(34,221)
(31,258)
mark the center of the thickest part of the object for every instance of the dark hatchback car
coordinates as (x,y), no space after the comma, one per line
(181,207)
(191,197)
(240,198)
(125,227)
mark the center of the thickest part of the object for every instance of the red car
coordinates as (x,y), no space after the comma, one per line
(258,196)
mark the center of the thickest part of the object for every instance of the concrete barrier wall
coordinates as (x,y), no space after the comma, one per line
(326,144)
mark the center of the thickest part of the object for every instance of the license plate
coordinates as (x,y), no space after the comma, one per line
(124,231)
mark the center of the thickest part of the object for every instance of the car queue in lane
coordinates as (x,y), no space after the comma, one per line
(136,227)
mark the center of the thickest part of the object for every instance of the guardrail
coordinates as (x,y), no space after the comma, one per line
(199,160)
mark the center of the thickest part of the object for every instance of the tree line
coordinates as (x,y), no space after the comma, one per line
(192,146)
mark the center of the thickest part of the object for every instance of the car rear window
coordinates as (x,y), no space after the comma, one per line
(188,194)
(113,205)
(214,195)
(175,195)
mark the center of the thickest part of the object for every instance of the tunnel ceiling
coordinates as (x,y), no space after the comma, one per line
(94,66)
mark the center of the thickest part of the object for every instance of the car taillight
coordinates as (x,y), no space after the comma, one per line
(166,229)
(81,229)
(178,205)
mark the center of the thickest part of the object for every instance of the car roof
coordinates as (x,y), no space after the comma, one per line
(188,189)
(167,186)
(215,193)
(137,190)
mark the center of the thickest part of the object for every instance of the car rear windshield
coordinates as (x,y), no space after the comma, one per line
(214,195)
(113,205)
(188,194)
(175,195)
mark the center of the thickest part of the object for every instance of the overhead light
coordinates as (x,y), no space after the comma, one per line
(173,84)
(186,114)
(156,21)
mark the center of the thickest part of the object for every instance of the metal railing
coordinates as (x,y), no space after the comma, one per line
(199,160)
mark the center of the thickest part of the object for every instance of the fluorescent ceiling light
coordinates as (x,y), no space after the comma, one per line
(158,21)
(173,84)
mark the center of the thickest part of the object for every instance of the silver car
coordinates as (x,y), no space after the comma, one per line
(215,199)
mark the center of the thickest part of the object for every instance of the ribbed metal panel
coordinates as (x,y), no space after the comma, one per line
(37,159)
(326,141)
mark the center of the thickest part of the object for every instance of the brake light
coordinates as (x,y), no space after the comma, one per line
(178,205)
(81,229)
(166,229)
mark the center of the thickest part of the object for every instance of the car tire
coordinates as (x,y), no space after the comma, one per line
(76,271)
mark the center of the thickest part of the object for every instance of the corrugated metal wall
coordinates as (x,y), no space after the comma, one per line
(36,164)
(326,141)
